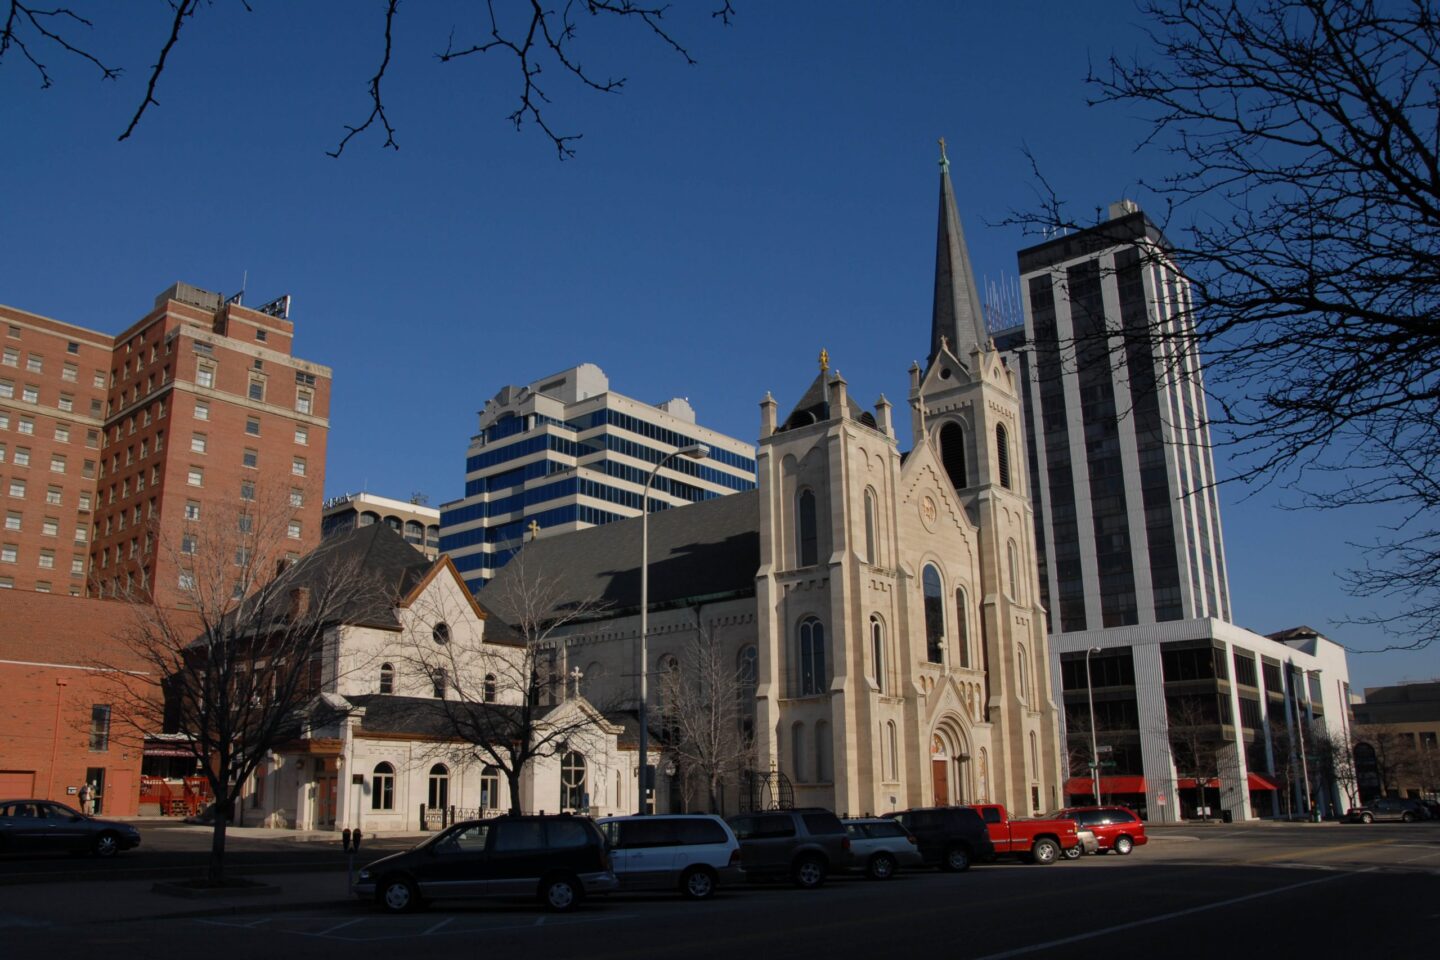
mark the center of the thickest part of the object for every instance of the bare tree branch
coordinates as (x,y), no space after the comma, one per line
(183,9)
(377,110)
(21,15)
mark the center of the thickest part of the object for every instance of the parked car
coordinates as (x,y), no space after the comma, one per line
(951,838)
(805,845)
(558,859)
(694,853)
(880,846)
(1388,808)
(44,826)
(1088,844)
(1116,828)
(1033,839)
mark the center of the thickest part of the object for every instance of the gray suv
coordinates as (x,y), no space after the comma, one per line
(804,845)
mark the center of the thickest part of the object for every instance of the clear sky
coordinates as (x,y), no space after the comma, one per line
(719,225)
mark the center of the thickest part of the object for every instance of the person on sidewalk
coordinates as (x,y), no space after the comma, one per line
(86,792)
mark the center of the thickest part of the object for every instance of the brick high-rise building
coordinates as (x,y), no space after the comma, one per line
(183,419)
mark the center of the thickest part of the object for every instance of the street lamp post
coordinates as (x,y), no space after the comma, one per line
(1094,743)
(695,451)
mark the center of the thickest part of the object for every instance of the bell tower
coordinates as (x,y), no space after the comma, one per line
(966,404)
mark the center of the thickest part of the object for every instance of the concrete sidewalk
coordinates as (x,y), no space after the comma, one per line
(268,833)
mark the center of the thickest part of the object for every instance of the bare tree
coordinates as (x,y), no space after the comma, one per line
(705,717)
(248,649)
(1195,740)
(1395,754)
(531,35)
(1286,763)
(1334,753)
(502,690)
(1303,203)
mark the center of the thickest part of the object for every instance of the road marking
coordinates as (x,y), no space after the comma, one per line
(1292,855)
(1107,931)
(1423,856)
(437,926)
(339,926)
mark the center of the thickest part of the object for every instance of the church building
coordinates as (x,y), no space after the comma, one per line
(881,607)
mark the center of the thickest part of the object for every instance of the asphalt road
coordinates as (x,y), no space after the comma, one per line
(175,849)
(1230,892)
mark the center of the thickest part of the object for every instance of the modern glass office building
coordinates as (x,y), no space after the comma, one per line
(565,453)
(1116,429)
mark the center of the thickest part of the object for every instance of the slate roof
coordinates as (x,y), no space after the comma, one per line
(705,549)
(957,315)
(416,716)
(814,406)
(374,552)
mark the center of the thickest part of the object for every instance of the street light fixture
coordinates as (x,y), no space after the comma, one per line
(1094,743)
(695,451)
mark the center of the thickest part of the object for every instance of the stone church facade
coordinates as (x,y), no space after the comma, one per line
(881,607)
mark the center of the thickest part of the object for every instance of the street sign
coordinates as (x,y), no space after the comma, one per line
(1107,764)
(1105,749)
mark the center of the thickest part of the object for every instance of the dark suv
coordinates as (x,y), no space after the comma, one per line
(1388,808)
(948,837)
(558,859)
(804,845)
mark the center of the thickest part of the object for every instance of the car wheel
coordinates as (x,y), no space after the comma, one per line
(698,883)
(1407,817)
(398,895)
(880,867)
(957,860)
(1367,817)
(106,845)
(1123,845)
(561,894)
(1045,852)
(809,873)
(1075,852)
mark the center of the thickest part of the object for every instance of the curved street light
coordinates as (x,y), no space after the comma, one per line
(695,451)
(1094,743)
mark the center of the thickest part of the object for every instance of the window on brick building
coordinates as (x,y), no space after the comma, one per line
(100,727)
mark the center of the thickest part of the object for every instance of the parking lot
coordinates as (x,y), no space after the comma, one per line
(1248,890)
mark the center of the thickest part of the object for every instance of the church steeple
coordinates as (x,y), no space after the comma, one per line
(957,316)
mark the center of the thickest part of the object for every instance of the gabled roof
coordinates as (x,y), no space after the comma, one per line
(375,552)
(705,549)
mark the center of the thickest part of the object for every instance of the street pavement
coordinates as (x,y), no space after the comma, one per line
(1195,890)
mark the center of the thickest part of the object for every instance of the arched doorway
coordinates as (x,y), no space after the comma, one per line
(949,765)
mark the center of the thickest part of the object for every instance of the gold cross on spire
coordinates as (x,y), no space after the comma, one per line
(824,359)
(534,529)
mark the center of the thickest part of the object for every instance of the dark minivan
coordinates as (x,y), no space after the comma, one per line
(804,845)
(557,859)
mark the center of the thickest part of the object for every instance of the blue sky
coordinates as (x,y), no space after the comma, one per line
(719,224)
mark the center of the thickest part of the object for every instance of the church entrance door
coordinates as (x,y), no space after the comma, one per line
(941,772)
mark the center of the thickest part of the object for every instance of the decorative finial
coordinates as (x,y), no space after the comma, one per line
(944,160)
(534,529)
(944,342)
(824,359)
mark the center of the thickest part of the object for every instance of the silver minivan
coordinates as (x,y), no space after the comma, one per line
(693,853)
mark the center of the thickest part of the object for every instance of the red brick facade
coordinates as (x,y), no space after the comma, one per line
(55,652)
(114,446)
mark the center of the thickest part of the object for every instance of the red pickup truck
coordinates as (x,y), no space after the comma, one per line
(1039,841)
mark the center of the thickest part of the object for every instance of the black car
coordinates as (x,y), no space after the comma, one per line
(804,845)
(557,859)
(951,838)
(44,826)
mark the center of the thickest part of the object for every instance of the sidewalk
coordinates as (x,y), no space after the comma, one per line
(111,901)
(268,833)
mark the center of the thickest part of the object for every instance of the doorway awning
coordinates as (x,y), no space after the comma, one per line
(1078,786)
(1258,782)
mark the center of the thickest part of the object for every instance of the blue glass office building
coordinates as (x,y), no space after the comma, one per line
(565,453)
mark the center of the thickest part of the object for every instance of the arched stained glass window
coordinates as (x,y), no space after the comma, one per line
(934,614)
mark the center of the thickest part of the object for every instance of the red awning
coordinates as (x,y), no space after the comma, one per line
(1258,782)
(1082,786)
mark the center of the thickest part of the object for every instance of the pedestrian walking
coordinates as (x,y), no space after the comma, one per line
(86,792)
